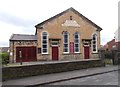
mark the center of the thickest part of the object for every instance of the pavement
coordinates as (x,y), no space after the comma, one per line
(63,76)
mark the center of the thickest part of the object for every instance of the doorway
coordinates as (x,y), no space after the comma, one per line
(55,53)
(86,52)
(28,54)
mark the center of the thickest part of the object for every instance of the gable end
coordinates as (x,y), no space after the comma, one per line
(76,12)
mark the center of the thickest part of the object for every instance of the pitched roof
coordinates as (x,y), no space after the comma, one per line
(75,11)
(23,37)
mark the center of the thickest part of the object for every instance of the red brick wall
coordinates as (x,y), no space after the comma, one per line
(111,44)
(118,45)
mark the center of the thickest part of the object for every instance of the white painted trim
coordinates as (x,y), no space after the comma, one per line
(66,52)
(42,43)
(96,43)
(86,46)
(78,42)
(45,53)
(77,52)
(70,23)
(68,44)
(84,52)
(55,45)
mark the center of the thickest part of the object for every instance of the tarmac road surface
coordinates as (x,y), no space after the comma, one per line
(110,78)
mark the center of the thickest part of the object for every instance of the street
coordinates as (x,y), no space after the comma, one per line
(93,76)
(110,78)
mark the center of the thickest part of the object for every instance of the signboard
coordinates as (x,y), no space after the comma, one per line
(71,47)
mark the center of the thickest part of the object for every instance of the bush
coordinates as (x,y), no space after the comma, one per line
(4,56)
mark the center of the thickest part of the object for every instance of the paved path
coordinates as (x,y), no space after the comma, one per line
(110,78)
(49,78)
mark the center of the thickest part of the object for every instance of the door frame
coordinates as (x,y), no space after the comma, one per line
(84,51)
(26,47)
(58,51)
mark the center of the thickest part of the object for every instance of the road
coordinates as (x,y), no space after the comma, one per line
(110,78)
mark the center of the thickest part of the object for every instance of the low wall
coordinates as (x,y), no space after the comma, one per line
(32,70)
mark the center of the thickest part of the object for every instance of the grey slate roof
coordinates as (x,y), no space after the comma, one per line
(23,37)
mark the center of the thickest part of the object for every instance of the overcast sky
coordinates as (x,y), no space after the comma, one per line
(20,16)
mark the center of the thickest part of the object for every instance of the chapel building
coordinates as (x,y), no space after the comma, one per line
(66,36)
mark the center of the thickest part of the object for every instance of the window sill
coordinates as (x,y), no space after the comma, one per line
(95,53)
(66,53)
(44,53)
(76,52)
(71,53)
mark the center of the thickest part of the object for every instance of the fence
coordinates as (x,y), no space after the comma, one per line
(113,54)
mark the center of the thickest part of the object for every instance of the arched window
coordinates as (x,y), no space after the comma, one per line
(44,44)
(76,42)
(94,43)
(66,42)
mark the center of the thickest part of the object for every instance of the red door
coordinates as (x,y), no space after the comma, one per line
(86,52)
(54,53)
(28,54)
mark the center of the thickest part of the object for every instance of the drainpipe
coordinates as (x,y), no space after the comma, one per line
(13,52)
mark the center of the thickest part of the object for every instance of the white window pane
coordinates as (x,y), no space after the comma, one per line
(65,45)
(44,50)
(44,46)
(94,38)
(76,41)
(66,36)
(44,37)
(76,49)
(65,49)
(76,45)
(94,49)
(65,42)
(76,36)
(94,42)
(44,42)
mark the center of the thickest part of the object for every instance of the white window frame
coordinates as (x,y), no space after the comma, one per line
(67,43)
(94,44)
(42,42)
(77,43)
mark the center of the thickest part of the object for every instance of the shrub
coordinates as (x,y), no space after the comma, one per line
(4,56)
(108,55)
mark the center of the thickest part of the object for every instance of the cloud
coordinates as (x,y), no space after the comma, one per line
(104,40)
(20,16)
(4,44)
(8,29)
(16,21)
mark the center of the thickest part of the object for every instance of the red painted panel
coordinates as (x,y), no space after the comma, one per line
(86,52)
(71,47)
(54,53)
(28,54)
